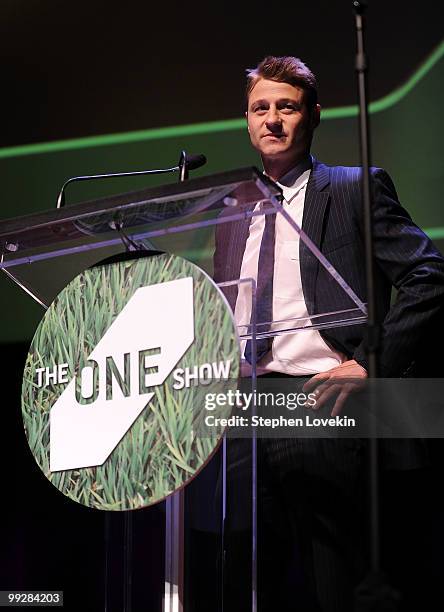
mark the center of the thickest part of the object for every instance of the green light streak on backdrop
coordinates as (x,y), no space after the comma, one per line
(217,126)
(435,233)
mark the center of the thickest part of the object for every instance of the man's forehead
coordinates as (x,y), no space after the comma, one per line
(268,89)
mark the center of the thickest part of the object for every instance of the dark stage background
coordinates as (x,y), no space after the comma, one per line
(94,87)
(111,67)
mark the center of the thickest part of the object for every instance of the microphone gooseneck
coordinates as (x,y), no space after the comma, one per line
(186,163)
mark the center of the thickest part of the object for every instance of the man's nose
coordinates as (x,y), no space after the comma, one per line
(273,120)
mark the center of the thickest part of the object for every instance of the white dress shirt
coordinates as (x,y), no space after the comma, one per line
(302,352)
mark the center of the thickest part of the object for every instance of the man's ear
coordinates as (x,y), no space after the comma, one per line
(315,116)
(246,117)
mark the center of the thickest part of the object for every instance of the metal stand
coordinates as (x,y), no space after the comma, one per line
(174,550)
(372,325)
(373,592)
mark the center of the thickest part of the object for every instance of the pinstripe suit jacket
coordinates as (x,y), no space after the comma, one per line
(405,259)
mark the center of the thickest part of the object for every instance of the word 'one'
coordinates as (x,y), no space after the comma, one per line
(90,380)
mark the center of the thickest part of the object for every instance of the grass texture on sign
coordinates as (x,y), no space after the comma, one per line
(161,451)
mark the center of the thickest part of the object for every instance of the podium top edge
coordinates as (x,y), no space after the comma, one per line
(106,204)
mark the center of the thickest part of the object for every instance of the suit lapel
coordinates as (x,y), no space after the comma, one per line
(315,205)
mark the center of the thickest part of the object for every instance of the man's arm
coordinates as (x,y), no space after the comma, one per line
(407,257)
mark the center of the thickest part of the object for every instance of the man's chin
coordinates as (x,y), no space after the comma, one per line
(274,149)
(275,153)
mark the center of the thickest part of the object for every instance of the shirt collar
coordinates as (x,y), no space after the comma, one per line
(296,178)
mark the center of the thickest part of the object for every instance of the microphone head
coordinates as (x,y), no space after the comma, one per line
(195,161)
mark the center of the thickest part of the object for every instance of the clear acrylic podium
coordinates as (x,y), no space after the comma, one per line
(43,252)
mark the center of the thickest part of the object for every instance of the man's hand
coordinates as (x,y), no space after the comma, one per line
(342,380)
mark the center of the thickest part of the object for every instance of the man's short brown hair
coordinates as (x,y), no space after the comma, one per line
(286,69)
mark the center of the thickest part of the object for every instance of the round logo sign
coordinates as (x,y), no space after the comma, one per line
(116,382)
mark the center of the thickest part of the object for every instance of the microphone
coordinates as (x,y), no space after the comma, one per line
(189,162)
(186,163)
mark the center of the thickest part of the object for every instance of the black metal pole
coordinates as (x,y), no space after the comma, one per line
(372,323)
(128,561)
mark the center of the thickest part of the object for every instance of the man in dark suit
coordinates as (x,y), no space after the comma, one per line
(323,517)
(282,115)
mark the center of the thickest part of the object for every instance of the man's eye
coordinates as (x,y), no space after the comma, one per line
(290,107)
(259,109)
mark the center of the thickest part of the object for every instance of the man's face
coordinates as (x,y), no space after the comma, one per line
(279,122)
